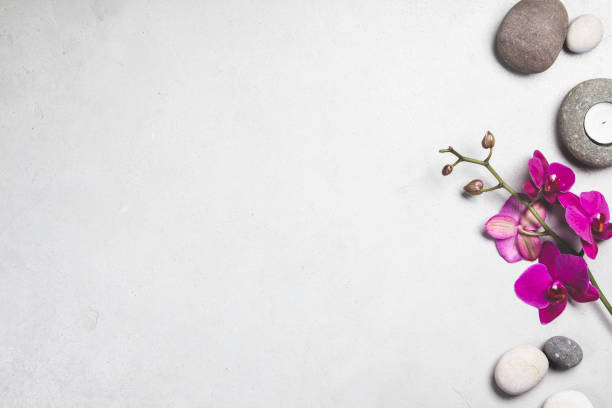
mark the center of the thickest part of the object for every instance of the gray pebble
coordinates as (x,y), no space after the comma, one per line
(531,35)
(571,122)
(562,352)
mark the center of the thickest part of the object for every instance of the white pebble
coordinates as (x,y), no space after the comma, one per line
(520,369)
(568,399)
(584,33)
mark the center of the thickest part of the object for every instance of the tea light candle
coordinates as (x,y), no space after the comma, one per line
(598,123)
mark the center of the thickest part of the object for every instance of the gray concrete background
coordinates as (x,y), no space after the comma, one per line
(239,204)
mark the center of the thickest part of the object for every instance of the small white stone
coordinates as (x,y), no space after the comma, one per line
(520,369)
(584,33)
(568,399)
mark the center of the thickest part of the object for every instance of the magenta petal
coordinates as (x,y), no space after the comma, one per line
(550,313)
(551,197)
(605,235)
(579,222)
(537,171)
(529,221)
(547,257)
(564,174)
(512,207)
(589,295)
(530,189)
(572,271)
(531,287)
(569,199)
(538,155)
(594,203)
(501,226)
(507,249)
(529,247)
(590,248)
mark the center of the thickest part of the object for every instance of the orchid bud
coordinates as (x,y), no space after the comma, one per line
(446,170)
(488,141)
(474,187)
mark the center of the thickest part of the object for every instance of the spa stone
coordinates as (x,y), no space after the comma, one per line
(520,369)
(568,399)
(584,33)
(531,35)
(570,122)
(562,352)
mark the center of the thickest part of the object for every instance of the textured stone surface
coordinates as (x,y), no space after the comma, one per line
(562,352)
(584,33)
(571,122)
(520,369)
(531,35)
(568,399)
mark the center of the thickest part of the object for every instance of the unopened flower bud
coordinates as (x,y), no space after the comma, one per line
(474,187)
(488,141)
(446,170)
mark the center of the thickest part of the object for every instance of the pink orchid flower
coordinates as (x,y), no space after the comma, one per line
(511,229)
(547,284)
(589,217)
(552,180)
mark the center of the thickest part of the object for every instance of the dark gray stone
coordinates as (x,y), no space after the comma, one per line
(571,122)
(531,35)
(562,352)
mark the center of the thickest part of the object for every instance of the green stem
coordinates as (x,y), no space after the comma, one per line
(486,190)
(532,233)
(560,241)
(509,189)
(489,156)
(602,297)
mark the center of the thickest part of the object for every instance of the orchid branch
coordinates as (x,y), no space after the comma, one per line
(508,188)
(529,205)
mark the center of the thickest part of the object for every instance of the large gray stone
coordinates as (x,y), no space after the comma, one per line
(531,35)
(571,122)
(562,352)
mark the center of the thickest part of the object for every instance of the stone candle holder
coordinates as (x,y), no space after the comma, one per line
(571,122)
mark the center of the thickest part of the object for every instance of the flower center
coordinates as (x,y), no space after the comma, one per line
(552,184)
(599,223)
(556,292)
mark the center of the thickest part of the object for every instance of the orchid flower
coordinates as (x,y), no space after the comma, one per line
(553,180)
(547,284)
(589,217)
(521,223)
(513,229)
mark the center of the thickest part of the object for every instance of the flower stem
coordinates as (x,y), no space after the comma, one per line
(560,241)
(509,189)
(602,297)
(489,155)
(532,233)
(497,187)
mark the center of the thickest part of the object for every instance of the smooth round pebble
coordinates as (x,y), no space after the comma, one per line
(584,33)
(568,399)
(562,352)
(531,35)
(570,122)
(520,369)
